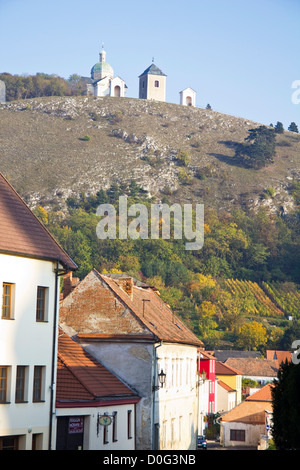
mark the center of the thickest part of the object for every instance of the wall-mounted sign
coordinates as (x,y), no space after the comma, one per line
(105,420)
(75,424)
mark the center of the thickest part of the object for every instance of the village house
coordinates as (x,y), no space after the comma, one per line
(31,263)
(231,377)
(128,328)
(249,423)
(94,409)
(226,397)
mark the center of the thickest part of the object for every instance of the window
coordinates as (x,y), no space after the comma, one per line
(41,303)
(7,300)
(237,434)
(3,384)
(37,383)
(129,424)
(9,443)
(20,384)
(156,84)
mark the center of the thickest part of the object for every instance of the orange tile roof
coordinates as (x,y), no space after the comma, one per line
(21,233)
(279,356)
(263,394)
(80,377)
(252,410)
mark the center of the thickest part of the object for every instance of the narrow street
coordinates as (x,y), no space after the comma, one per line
(215,445)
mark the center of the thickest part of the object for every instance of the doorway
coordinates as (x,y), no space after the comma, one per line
(69,435)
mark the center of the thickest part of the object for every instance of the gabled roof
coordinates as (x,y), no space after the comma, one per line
(223,354)
(279,356)
(206,355)
(141,315)
(81,378)
(263,394)
(253,409)
(225,386)
(21,233)
(224,369)
(254,366)
(153,70)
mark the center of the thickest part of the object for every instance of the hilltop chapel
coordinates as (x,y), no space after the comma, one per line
(102,81)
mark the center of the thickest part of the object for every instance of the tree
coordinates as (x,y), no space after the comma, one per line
(258,149)
(293,127)
(252,336)
(286,407)
(77,84)
(279,127)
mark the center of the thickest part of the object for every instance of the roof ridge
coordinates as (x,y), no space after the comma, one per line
(31,214)
(143,320)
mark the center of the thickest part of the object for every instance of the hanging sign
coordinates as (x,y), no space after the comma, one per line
(105,420)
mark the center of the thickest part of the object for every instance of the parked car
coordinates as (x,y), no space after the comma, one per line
(201,443)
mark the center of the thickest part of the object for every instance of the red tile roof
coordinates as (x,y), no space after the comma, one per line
(224,369)
(155,314)
(21,233)
(81,378)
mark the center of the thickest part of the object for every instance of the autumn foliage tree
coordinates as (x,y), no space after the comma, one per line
(252,336)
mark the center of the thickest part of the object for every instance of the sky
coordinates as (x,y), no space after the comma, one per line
(240,56)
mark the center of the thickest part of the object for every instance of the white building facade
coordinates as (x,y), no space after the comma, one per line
(30,262)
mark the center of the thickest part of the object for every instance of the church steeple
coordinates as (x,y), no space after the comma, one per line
(102,55)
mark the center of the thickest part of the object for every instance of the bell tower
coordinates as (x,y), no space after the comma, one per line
(152,84)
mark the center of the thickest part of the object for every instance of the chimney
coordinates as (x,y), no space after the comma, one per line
(69,283)
(126,284)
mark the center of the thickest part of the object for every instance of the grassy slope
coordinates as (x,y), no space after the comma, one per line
(42,155)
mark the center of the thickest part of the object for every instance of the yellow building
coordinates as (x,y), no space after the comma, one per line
(152,85)
(231,377)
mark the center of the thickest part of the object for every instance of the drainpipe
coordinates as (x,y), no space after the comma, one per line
(54,353)
(153,392)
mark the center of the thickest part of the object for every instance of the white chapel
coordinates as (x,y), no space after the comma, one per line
(102,81)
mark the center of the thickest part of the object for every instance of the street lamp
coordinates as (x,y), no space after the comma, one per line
(162,380)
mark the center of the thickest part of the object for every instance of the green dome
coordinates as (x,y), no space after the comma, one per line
(101,70)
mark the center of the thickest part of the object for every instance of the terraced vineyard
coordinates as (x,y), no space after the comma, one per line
(287,297)
(261,304)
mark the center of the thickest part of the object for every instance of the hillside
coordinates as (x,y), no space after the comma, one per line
(43,154)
